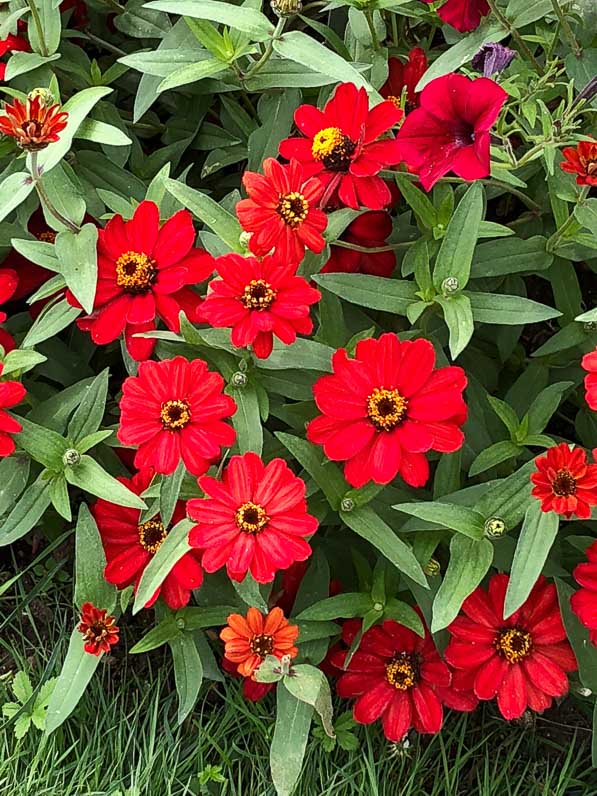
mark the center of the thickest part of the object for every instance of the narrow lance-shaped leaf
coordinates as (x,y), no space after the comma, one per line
(90,562)
(291,732)
(172,549)
(456,252)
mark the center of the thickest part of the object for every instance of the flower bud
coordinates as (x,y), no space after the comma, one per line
(494,528)
(238,379)
(71,457)
(432,568)
(347,504)
(244,239)
(286,8)
(449,286)
(44,94)
(378,607)
(492,58)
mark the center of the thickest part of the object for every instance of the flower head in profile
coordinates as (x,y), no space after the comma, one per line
(582,161)
(464,15)
(249,639)
(400,87)
(492,59)
(33,124)
(367,231)
(589,363)
(565,482)
(11,393)
(584,601)
(99,630)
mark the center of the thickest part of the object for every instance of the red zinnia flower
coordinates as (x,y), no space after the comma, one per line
(342,146)
(403,77)
(385,408)
(370,231)
(33,124)
(249,640)
(589,363)
(259,299)
(450,129)
(584,601)
(582,161)
(11,393)
(522,659)
(464,15)
(130,545)
(99,631)
(143,272)
(174,409)
(12,44)
(253,520)
(394,675)
(565,482)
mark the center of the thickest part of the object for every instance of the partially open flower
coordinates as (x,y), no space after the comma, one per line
(33,124)
(99,630)
(581,161)
(492,58)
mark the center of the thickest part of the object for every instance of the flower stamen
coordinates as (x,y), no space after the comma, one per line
(175,415)
(135,272)
(514,644)
(262,645)
(333,148)
(251,517)
(401,672)
(151,535)
(386,408)
(292,208)
(258,295)
(564,483)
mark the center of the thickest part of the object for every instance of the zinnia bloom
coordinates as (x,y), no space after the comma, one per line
(565,482)
(33,124)
(11,393)
(386,407)
(143,272)
(450,129)
(259,299)
(175,409)
(282,212)
(253,519)
(248,640)
(12,44)
(589,363)
(342,147)
(582,161)
(130,545)
(584,601)
(523,659)
(369,231)
(403,78)
(99,630)
(464,15)
(393,675)
(9,282)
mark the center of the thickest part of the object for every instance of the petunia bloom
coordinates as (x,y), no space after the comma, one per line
(175,410)
(259,299)
(368,231)
(144,270)
(282,211)
(11,393)
(492,59)
(384,409)
(33,124)
(343,146)
(130,544)
(523,660)
(582,161)
(99,630)
(403,79)
(450,131)
(589,363)
(584,601)
(464,15)
(565,482)
(248,640)
(253,520)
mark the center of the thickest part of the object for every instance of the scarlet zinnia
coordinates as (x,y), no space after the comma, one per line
(175,409)
(33,124)
(385,408)
(450,129)
(130,545)
(11,393)
(99,630)
(464,15)
(259,299)
(403,78)
(368,231)
(253,519)
(143,272)
(394,675)
(248,640)
(523,659)
(565,482)
(9,282)
(584,601)
(281,211)
(582,161)
(589,363)
(342,147)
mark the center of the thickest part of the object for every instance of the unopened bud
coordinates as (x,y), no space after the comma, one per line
(244,239)
(347,504)
(286,8)
(180,623)
(450,285)
(590,326)
(432,568)
(238,379)
(45,95)
(494,528)
(378,607)
(71,457)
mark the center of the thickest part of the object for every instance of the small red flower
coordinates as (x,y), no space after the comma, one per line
(175,409)
(12,44)
(130,545)
(11,393)
(584,601)
(259,299)
(369,231)
(464,15)
(403,78)
(394,675)
(144,270)
(450,129)
(565,482)
(253,519)
(582,161)
(342,147)
(523,659)
(248,640)
(589,363)
(33,124)
(384,409)
(99,630)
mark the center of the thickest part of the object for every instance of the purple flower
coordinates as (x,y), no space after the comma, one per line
(492,58)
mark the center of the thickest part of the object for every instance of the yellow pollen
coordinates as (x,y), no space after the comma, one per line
(514,644)
(175,415)
(326,141)
(47,237)
(401,672)
(386,408)
(564,484)
(395,100)
(293,208)
(251,518)
(135,272)
(151,535)
(258,295)
(262,645)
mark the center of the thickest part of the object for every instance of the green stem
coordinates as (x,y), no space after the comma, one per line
(560,233)
(375,250)
(38,27)
(515,35)
(45,199)
(371,26)
(568,32)
(268,50)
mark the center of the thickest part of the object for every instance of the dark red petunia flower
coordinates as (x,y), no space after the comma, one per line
(523,659)
(100,632)
(464,15)
(144,270)
(33,124)
(403,78)
(259,299)
(253,519)
(343,147)
(582,161)
(248,640)
(584,601)
(11,393)
(12,44)
(130,545)
(282,211)
(394,676)
(9,282)
(369,231)
(175,410)
(384,409)
(450,129)
(589,363)
(565,482)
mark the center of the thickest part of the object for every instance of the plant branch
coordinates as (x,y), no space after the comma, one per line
(568,32)
(38,27)
(45,199)
(268,50)
(515,35)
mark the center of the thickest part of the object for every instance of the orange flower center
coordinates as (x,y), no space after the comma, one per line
(292,208)
(333,148)
(151,535)
(258,295)
(99,630)
(514,644)
(564,484)
(251,518)
(47,237)
(262,645)
(135,272)
(175,415)
(401,672)
(386,408)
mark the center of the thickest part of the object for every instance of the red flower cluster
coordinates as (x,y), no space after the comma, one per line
(30,275)
(589,363)
(33,124)
(565,482)
(12,44)
(582,161)
(403,79)
(464,15)
(369,231)
(11,393)
(9,282)
(99,630)
(584,601)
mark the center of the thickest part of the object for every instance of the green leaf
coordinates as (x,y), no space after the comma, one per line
(14,474)
(269,670)
(505,413)
(417,200)
(248,590)
(37,251)
(208,211)
(404,614)
(50,24)
(34,501)
(102,133)
(459,320)
(247,420)
(13,191)
(341,606)
(59,497)
(457,518)
(169,492)
(291,733)
(192,73)
(88,416)
(21,360)
(512,256)
(21,62)
(305,354)
(247,20)
(188,672)
(545,404)
(172,549)
(91,477)
(90,562)
(45,446)
(494,455)
(77,255)
(310,685)
(508,498)
(21,687)
(53,319)
(508,310)
(325,473)
(375,292)
(578,636)
(456,252)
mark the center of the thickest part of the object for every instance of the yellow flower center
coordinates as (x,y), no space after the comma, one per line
(333,148)
(151,535)
(395,100)
(386,408)
(564,484)
(262,645)
(514,644)
(135,272)
(251,518)
(47,237)
(292,208)
(175,415)
(401,672)
(258,295)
